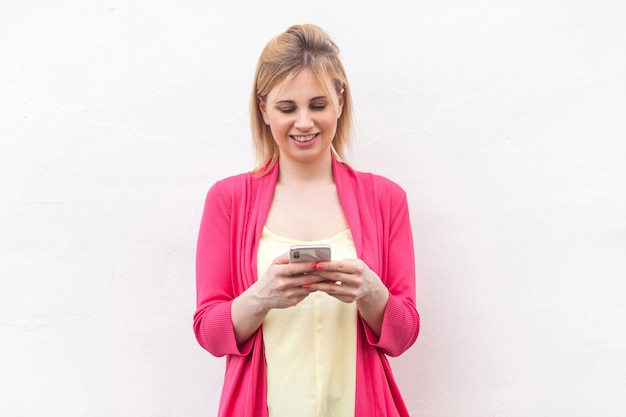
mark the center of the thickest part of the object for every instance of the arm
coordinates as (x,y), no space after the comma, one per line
(358,284)
(214,278)
(280,287)
(372,305)
(386,304)
(400,321)
(225,321)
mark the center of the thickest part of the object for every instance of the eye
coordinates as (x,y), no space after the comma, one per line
(287,110)
(318,106)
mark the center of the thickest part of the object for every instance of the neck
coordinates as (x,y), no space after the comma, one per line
(317,171)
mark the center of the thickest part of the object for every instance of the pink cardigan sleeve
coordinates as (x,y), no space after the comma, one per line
(401,322)
(214,278)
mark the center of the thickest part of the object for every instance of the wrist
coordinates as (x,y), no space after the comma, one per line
(256,304)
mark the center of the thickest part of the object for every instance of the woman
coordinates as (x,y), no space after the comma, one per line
(305,339)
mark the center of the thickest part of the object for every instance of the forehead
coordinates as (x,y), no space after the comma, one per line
(304,85)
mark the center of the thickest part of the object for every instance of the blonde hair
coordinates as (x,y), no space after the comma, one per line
(299,47)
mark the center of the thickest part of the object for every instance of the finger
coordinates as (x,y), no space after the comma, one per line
(298,269)
(330,286)
(335,276)
(348,266)
(282,259)
(306,281)
(291,269)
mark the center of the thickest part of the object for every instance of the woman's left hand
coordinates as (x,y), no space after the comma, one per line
(351,280)
(348,280)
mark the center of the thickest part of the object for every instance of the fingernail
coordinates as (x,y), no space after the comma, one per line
(319,267)
(306,286)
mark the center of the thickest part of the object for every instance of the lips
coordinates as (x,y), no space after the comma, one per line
(303,139)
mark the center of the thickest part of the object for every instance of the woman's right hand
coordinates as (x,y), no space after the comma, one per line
(283,285)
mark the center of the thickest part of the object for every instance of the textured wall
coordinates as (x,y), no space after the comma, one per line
(504,121)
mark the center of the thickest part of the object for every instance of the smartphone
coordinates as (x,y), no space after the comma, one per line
(309,253)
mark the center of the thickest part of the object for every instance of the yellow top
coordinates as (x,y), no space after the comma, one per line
(310,349)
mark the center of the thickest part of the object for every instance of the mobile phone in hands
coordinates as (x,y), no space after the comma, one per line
(309,253)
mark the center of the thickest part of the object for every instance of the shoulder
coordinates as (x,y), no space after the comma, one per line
(234,183)
(225,191)
(239,191)
(372,193)
(374,183)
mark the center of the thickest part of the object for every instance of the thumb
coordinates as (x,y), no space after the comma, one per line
(282,259)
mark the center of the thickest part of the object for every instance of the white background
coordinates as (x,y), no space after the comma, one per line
(505,121)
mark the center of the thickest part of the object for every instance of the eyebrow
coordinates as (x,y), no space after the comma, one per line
(292,102)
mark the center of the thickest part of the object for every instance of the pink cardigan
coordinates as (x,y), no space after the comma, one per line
(234,215)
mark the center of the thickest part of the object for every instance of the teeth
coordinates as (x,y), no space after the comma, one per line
(303,138)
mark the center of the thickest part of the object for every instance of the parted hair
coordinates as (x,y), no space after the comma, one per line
(284,56)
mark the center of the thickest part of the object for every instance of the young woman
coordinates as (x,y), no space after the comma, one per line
(305,339)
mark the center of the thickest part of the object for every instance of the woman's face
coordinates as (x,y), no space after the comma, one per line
(302,116)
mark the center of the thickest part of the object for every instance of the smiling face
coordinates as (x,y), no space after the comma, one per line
(302,116)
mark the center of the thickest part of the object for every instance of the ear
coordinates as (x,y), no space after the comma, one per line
(263,108)
(341,100)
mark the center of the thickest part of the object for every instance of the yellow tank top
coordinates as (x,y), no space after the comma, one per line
(310,349)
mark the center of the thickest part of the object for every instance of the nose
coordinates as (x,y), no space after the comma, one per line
(304,121)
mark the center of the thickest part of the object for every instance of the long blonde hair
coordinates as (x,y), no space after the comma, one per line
(299,47)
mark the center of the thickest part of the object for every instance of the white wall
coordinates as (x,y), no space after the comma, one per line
(504,121)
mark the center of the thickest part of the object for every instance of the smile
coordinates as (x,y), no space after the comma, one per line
(303,139)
